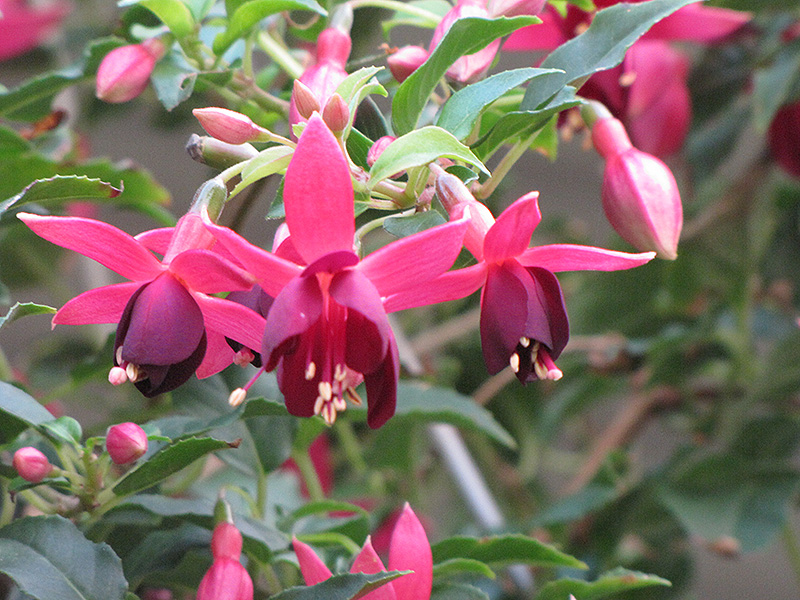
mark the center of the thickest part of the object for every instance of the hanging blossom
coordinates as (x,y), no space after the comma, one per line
(409,550)
(167,325)
(327,328)
(649,90)
(523,320)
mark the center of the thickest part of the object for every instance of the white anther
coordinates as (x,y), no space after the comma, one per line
(311,370)
(325,390)
(524,341)
(514,362)
(117,376)
(318,405)
(118,355)
(132,371)
(339,403)
(339,373)
(237,397)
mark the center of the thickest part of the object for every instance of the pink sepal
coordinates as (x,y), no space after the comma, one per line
(205,271)
(311,566)
(571,257)
(233,320)
(218,355)
(100,305)
(511,233)
(410,550)
(448,286)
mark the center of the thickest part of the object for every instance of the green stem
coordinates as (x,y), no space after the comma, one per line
(37,502)
(5,367)
(396,193)
(351,447)
(280,55)
(309,475)
(432,19)
(503,168)
(261,495)
(792,550)
(7,505)
(377,223)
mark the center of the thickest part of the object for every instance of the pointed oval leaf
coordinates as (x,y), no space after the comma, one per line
(466,36)
(173,13)
(349,586)
(62,188)
(25,309)
(418,148)
(18,412)
(268,162)
(48,557)
(250,13)
(609,584)
(502,549)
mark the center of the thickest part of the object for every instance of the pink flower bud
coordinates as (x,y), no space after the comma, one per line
(126,443)
(304,101)
(784,139)
(31,464)
(378,147)
(228,125)
(457,199)
(405,61)
(226,580)
(640,194)
(124,72)
(513,8)
(226,541)
(336,114)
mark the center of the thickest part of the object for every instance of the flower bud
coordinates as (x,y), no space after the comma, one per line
(124,72)
(126,443)
(217,154)
(378,147)
(227,579)
(640,195)
(31,464)
(336,114)
(457,199)
(228,125)
(226,541)
(405,61)
(304,100)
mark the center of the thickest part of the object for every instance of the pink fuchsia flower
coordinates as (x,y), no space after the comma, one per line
(227,579)
(228,125)
(640,194)
(23,26)
(31,464)
(126,443)
(523,319)
(327,327)
(409,550)
(124,72)
(783,138)
(167,327)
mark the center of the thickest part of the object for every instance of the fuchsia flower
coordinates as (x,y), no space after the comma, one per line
(327,327)
(648,91)
(523,318)
(24,25)
(409,550)
(167,327)
(227,579)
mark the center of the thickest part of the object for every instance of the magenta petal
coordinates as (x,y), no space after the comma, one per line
(111,247)
(157,240)
(218,355)
(311,566)
(698,23)
(318,194)
(205,271)
(415,259)
(511,233)
(382,388)
(547,316)
(232,320)
(368,561)
(410,549)
(100,305)
(571,257)
(299,393)
(271,271)
(294,311)
(504,312)
(448,286)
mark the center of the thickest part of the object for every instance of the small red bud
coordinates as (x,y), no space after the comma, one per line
(336,114)
(304,100)
(31,464)
(124,72)
(126,443)
(405,61)
(228,125)
(378,147)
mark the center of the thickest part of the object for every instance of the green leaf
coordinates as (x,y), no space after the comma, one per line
(173,80)
(62,429)
(404,226)
(23,310)
(48,558)
(268,162)
(462,111)
(327,506)
(19,412)
(466,36)
(62,188)
(460,566)
(773,85)
(418,148)
(608,584)
(167,461)
(248,14)
(603,45)
(592,497)
(173,13)
(349,586)
(503,549)
(456,591)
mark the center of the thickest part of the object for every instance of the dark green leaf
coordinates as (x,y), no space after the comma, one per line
(503,549)
(609,584)
(461,566)
(62,188)
(19,412)
(163,550)
(23,310)
(349,586)
(405,226)
(173,13)
(466,36)
(456,591)
(167,461)
(463,109)
(578,505)
(173,81)
(773,85)
(327,506)
(49,558)
(62,429)
(248,14)
(418,148)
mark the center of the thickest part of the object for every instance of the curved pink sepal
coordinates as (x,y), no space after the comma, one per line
(156,240)
(206,271)
(448,286)
(511,233)
(318,194)
(368,561)
(571,257)
(100,305)
(410,550)
(415,259)
(111,247)
(698,23)
(232,320)
(218,355)
(311,566)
